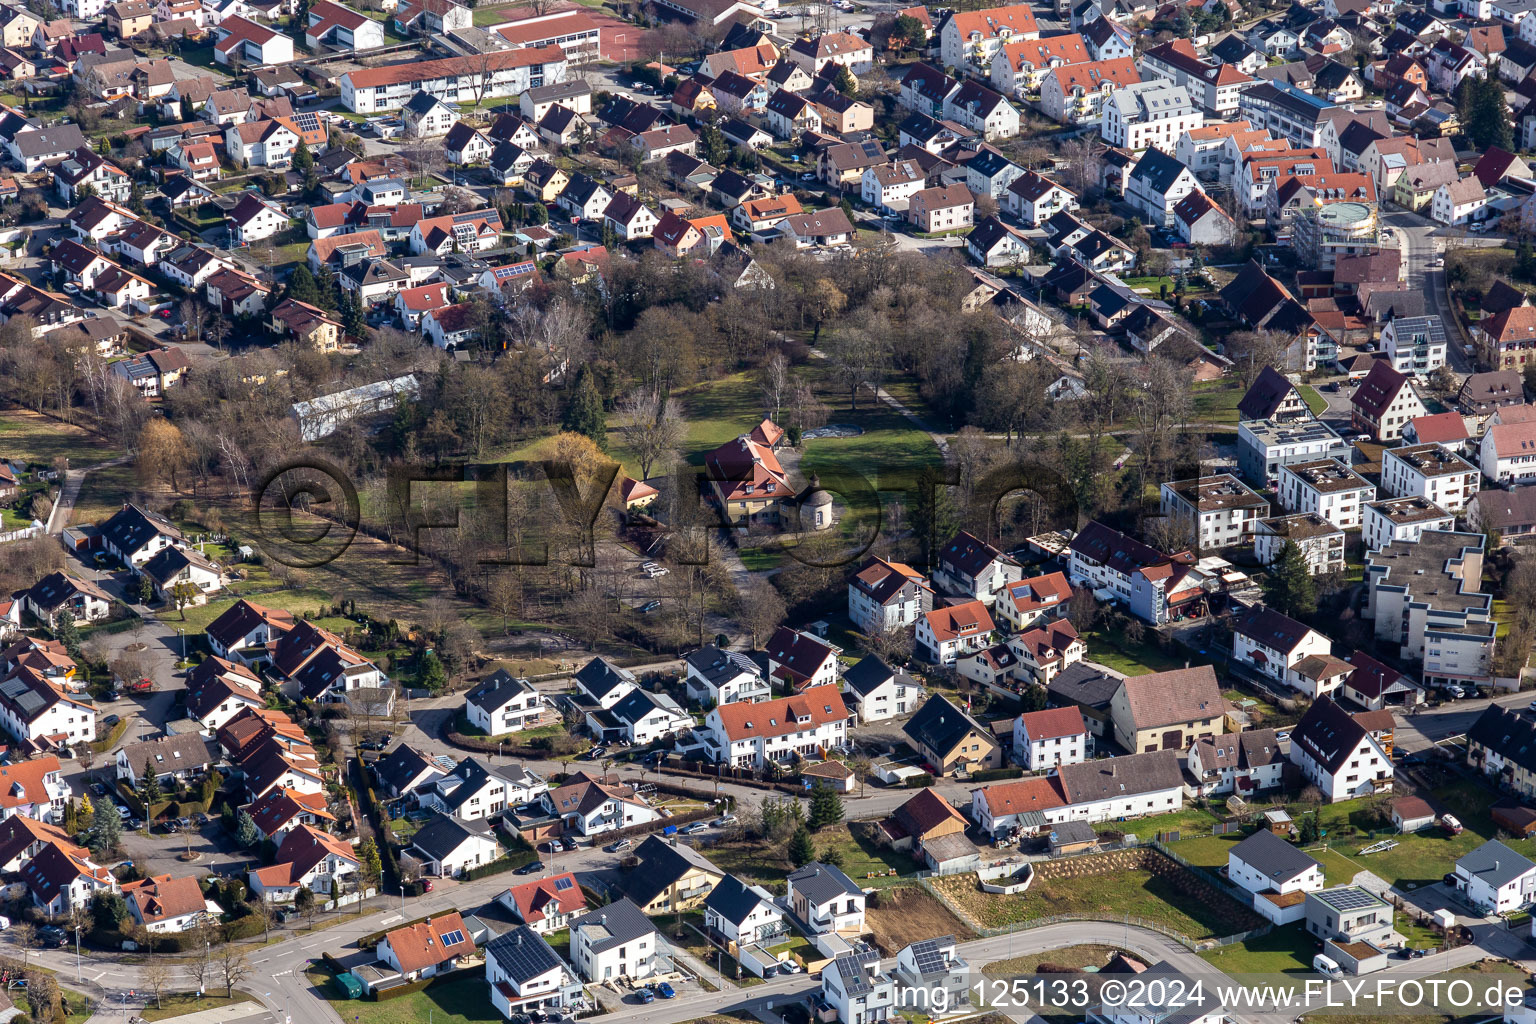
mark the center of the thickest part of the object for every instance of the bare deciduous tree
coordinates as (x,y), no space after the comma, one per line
(652,426)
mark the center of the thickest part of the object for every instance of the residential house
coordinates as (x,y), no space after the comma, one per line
(1168,710)
(1338,755)
(949,740)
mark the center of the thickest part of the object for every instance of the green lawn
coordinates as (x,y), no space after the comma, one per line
(175,1004)
(1153,285)
(1316,402)
(299,602)
(1125,657)
(1197,912)
(1287,950)
(487,16)
(1191,821)
(460,1000)
(862,860)
(1210,851)
(34,438)
(1215,401)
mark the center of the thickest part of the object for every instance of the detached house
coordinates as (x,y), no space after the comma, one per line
(946,634)
(800,660)
(885,596)
(971,567)
(1287,652)
(951,741)
(719,677)
(1338,755)
(1168,710)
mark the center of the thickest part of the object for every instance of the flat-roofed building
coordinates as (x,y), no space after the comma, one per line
(1321,542)
(1425,595)
(1393,519)
(1429,471)
(1219,511)
(1263,447)
(1329,488)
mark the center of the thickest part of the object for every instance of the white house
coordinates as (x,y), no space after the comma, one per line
(502,703)
(616,941)
(1328,488)
(883,596)
(752,735)
(307,858)
(1338,755)
(641,718)
(1035,199)
(1286,651)
(826,900)
(1219,511)
(446,846)
(947,634)
(1496,879)
(525,974)
(592,807)
(1043,740)
(1156,185)
(878,692)
(546,904)
(970,567)
(1245,762)
(476,790)
(800,659)
(427,948)
(1266,863)
(1507,453)
(1414,344)
(857,990)
(1149,114)
(742,914)
(713,676)
(164,904)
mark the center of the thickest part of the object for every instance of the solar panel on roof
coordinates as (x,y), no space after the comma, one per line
(453,938)
(1349,899)
(929,957)
(561,884)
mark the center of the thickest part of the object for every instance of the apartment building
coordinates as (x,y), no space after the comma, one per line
(1219,511)
(1321,543)
(1149,114)
(1425,596)
(1327,487)
(1401,519)
(1263,447)
(1429,471)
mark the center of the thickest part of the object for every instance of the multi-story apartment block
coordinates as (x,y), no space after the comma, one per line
(1321,543)
(1263,447)
(1285,110)
(884,596)
(1149,114)
(1327,487)
(1219,511)
(1424,595)
(1402,519)
(1414,344)
(1429,471)
(753,735)
(1216,87)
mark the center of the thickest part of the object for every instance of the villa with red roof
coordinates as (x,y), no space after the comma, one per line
(311,858)
(1050,738)
(752,735)
(547,904)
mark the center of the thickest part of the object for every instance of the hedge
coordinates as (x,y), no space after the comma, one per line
(922,781)
(993,774)
(105,744)
(499,865)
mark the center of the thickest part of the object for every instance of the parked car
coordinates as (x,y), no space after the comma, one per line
(50,935)
(530,868)
(665,990)
(618,847)
(693,828)
(568,845)
(143,685)
(646,995)
(111,720)
(649,607)
(725,819)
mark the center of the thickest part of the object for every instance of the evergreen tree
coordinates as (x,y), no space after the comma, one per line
(538,214)
(716,150)
(1308,830)
(432,675)
(354,317)
(1484,114)
(845,83)
(933,513)
(106,831)
(368,858)
(584,414)
(1291,586)
(801,852)
(610,236)
(303,159)
(908,31)
(67,633)
(146,590)
(826,806)
(302,287)
(149,789)
(245,830)
(188,111)
(327,288)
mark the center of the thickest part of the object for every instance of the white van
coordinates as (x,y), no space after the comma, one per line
(1326,965)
